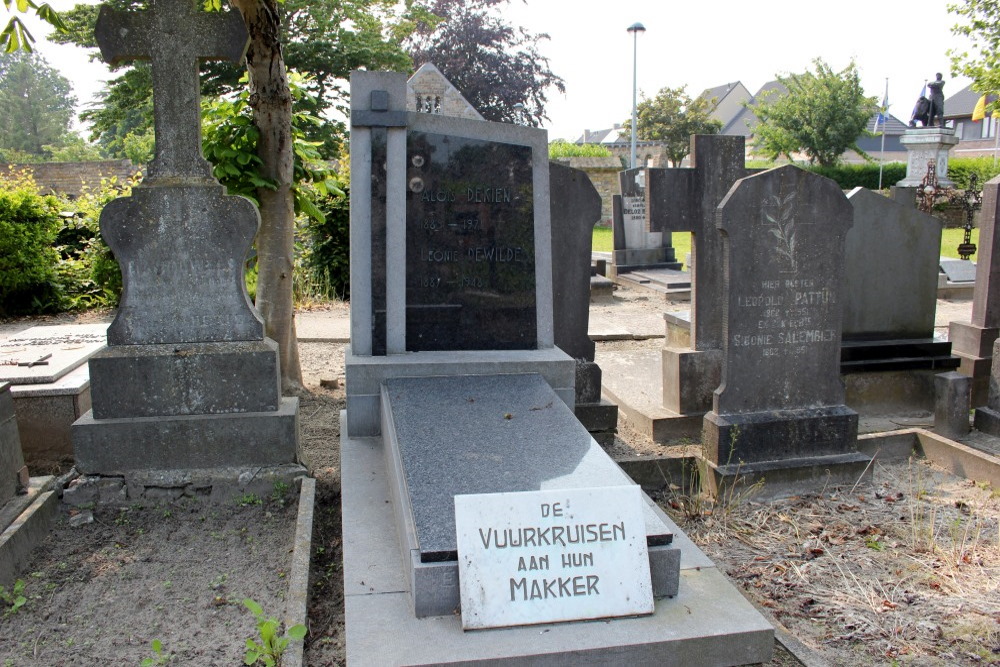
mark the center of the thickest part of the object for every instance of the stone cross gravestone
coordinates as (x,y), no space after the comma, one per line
(973,341)
(187,347)
(781,398)
(684,200)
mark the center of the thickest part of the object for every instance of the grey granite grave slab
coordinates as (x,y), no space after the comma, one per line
(60,349)
(537,445)
(488,434)
(958,270)
(708,623)
(781,397)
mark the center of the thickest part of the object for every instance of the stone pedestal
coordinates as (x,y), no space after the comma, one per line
(923,145)
(974,346)
(689,379)
(951,404)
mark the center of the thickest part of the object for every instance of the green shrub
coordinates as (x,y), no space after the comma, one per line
(960,169)
(560,148)
(324,260)
(88,271)
(850,176)
(29,223)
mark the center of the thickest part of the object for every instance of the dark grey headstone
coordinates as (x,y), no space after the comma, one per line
(986,295)
(575,209)
(891,274)
(781,388)
(958,270)
(487,434)
(470,245)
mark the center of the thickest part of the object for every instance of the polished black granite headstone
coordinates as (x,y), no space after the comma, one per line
(489,434)
(470,245)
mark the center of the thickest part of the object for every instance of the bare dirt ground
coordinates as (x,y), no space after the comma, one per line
(905,570)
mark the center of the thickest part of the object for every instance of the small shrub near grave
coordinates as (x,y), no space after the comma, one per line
(88,271)
(558,149)
(29,223)
(323,270)
(850,176)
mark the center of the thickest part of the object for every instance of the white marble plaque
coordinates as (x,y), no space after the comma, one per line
(41,355)
(549,556)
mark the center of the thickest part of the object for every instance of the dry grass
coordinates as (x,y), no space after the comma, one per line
(905,570)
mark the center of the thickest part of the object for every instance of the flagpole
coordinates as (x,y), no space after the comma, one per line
(884,115)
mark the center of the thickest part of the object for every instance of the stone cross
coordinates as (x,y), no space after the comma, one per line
(175,36)
(684,200)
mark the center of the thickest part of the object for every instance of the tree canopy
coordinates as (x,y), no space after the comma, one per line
(981,24)
(36,104)
(496,66)
(15,35)
(672,117)
(822,115)
(321,39)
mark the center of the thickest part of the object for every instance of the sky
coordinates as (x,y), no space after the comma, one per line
(690,43)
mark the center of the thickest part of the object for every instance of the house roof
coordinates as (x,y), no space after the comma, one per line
(743,123)
(961,103)
(728,101)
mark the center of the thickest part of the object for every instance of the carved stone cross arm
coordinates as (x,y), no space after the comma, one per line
(175,36)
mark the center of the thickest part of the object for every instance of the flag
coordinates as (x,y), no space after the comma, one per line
(979,112)
(883,111)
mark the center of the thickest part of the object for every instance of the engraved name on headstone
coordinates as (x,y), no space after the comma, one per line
(470,248)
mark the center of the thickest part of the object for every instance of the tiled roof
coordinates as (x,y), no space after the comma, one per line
(961,103)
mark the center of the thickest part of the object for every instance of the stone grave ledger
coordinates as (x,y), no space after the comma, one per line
(431,459)
(188,379)
(781,397)
(450,253)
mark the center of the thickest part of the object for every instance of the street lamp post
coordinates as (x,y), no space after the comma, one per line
(635,29)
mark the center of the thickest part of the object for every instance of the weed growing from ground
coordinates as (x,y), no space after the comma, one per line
(268,648)
(158,657)
(13,599)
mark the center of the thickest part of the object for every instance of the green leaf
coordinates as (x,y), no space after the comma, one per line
(254,608)
(297,631)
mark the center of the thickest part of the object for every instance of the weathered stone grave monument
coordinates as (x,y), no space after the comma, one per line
(672,401)
(972,341)
(781,401)
(26,504)
(47,368)
(927,145)
(575,209)
(456,390)
(188,380)
(889,356)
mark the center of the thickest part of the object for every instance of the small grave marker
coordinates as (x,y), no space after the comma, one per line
(547,556)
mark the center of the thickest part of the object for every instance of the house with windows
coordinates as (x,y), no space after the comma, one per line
(975,138)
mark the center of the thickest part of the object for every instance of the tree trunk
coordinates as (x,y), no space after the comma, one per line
(271,101)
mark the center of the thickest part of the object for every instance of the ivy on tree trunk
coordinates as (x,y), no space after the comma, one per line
(271,101)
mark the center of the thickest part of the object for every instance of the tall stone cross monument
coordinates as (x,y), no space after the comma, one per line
(188,379)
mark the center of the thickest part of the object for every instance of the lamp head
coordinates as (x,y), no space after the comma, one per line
(636,28)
